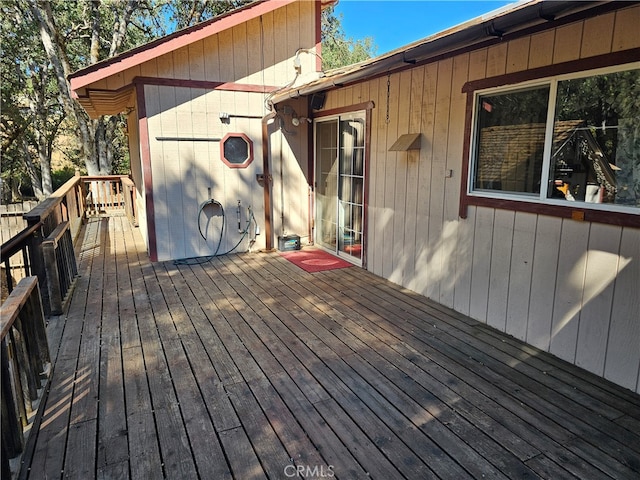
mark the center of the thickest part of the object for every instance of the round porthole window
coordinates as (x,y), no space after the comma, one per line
(236,150)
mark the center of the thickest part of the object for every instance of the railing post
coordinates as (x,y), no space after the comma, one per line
(12,436)
(53,276)
(37,260)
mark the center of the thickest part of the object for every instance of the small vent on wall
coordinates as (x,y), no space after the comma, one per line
(408,141)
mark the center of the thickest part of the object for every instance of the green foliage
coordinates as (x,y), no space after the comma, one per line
(59,177)
(337,49)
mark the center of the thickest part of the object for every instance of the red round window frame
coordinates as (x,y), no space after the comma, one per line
(249,143)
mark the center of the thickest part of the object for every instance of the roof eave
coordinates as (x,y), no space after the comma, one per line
(496,25)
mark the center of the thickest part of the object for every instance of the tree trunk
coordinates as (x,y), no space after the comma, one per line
(54,48)
(32,171)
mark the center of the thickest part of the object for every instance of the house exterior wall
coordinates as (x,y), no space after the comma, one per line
(133,133)
(566,287)
(186,173)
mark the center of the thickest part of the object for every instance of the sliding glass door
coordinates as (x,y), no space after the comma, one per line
(340,153)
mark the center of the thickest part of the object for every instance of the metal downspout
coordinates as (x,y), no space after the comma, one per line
(268,230)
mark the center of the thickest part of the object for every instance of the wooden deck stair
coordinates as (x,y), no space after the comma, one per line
(248,367)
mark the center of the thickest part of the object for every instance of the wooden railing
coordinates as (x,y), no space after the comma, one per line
(77,199)
(24,366)
(60,266)
(48,264)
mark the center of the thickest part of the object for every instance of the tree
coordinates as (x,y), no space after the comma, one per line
(337,49)
(31,114)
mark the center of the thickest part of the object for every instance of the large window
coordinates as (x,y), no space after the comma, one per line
(569,139)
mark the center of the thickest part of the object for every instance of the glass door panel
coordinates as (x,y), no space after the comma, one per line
(340,185)
(351,183)
(326,183)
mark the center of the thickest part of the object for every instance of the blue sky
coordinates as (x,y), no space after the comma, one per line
(393,24)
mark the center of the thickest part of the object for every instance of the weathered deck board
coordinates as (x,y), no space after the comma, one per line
(247,367)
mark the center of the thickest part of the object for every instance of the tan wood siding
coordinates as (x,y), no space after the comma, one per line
(563,286)
(186,173)
(258,52)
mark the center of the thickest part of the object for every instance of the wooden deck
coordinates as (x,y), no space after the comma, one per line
(247,367)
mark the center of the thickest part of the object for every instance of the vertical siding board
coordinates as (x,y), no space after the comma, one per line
(374,244)
(149,68)
(598,35)
(597,301)
(307,34)
(438,166)
(240,53)
(197,193)
(524,234)
(196,61)
(167,154)
(626,34)
(570,284)
(502,246)
(497,60)
(541,49)
(466,231)
(225,55)
(281,58)
(518,54)
(115,82)
(478,64)
(179,176)
(567,44)
(413,172)
(464,262)
(622,364)
(390,173)
(254,52)
(181,62)
(455,143)
(481,266)
(293,35)
(165,66)
(131,73)
(268,39)
(543,281)
(400,220)
(211,59)
(424,182)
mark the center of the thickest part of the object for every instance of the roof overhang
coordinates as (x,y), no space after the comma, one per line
(169,43)
(494,27)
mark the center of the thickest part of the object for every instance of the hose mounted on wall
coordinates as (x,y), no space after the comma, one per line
(244,233)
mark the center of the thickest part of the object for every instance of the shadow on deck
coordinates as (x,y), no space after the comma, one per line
(248,367)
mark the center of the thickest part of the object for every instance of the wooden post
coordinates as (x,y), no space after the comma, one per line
(12,436)
(53,277)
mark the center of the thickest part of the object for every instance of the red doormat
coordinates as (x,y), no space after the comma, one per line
(315,260)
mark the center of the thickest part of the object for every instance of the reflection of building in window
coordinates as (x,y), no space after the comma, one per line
(579,166)
(510,158)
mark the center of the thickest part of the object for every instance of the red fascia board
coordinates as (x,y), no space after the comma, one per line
(172,42)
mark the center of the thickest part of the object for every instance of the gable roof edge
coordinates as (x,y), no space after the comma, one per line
(136,56)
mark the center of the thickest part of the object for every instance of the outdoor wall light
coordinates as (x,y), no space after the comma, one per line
(296,120)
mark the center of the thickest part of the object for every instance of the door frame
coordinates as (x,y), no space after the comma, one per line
(336,114)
